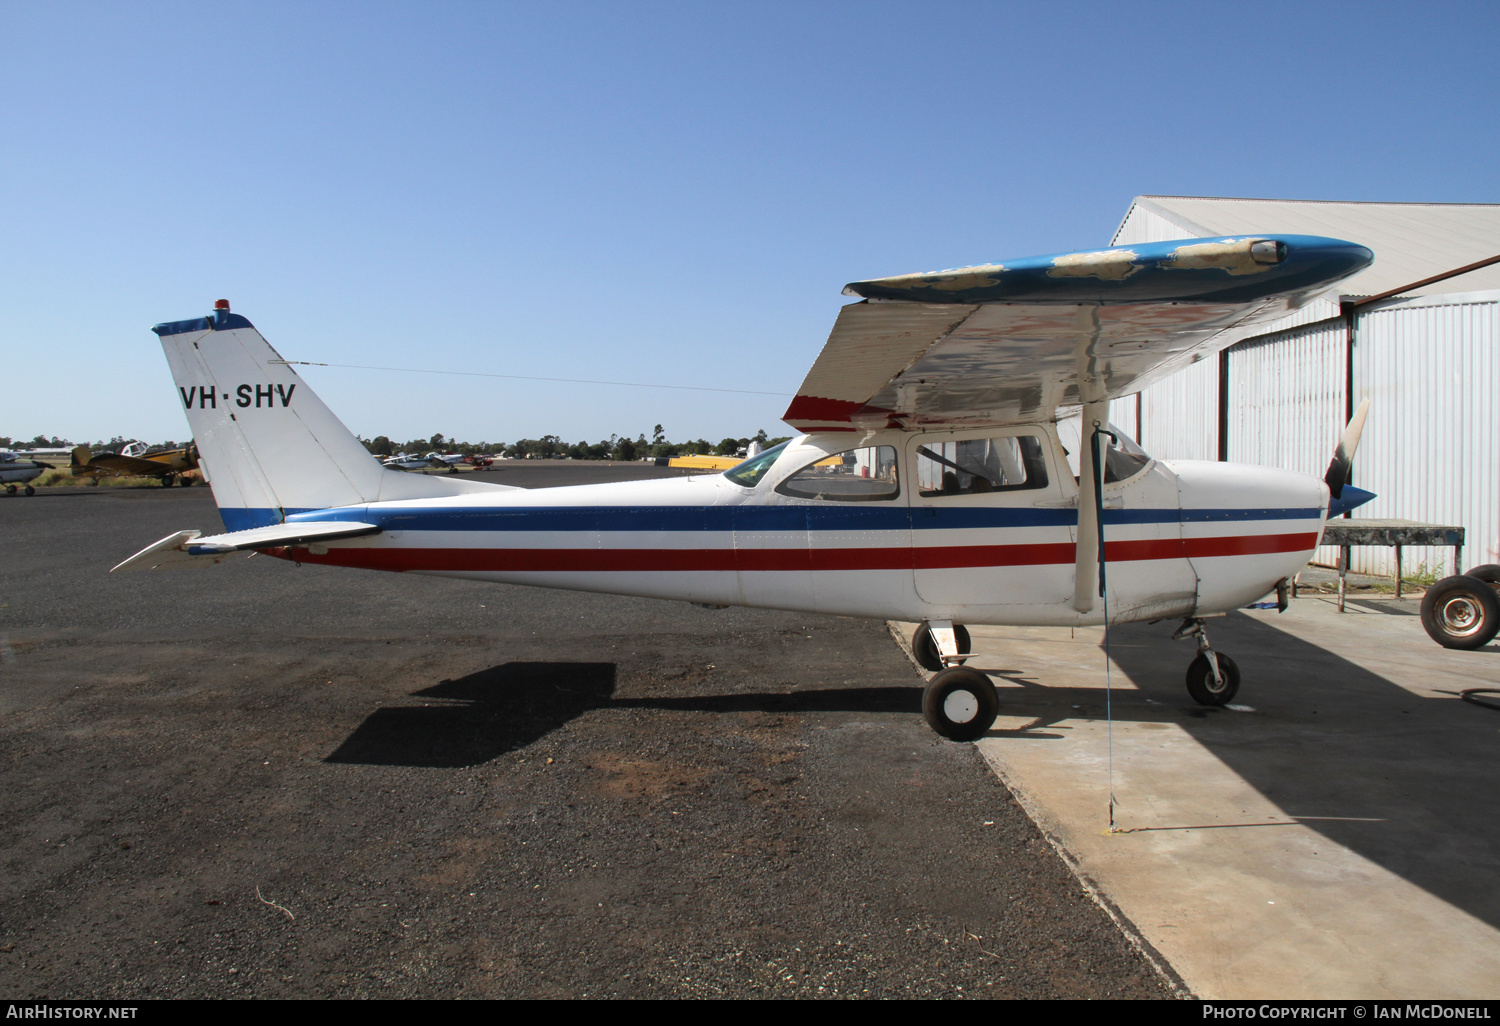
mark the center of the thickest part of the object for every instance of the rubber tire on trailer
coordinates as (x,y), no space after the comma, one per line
(1461,612)
(956,692)
(1201,685)
(1489,573)
(925,649)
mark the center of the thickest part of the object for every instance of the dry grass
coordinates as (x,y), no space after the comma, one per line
(61,477)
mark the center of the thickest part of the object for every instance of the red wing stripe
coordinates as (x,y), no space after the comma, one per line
(945,557)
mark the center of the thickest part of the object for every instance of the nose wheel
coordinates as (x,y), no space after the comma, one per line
(1212,677)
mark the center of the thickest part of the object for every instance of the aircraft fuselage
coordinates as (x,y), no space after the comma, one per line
(897,530)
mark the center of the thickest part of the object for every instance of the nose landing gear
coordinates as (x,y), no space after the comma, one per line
(1212,677)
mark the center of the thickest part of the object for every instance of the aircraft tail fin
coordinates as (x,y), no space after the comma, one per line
(270,445)
(82,454)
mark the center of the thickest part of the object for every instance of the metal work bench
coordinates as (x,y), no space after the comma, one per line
(1393,533)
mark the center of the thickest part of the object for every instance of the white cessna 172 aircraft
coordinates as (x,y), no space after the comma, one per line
(932,483)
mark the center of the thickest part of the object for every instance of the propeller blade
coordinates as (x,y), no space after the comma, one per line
(1343,456)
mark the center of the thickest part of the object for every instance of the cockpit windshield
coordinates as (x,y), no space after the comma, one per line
(749,473)
(1123,458)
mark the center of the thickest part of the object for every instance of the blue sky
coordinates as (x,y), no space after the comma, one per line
(669,192)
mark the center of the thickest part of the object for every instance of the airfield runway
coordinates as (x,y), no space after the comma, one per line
(259,780)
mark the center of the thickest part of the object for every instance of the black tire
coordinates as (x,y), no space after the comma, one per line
(1489,573)
(925,649)
(168,481)
(960,704)
(30,490)
(187,482)
(1461,612)
(1202,686)
(10,489)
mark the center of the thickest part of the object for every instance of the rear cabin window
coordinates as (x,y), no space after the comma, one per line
(976,466)
(858,475)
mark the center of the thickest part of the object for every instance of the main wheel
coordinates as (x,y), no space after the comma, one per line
(30,490)
(924,646)
(167,481)
(1461,612)
(1202,686)
(187,482)
(960,703)
(10,489)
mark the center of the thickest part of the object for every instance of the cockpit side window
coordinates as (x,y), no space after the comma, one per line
(979,465)
(858,475)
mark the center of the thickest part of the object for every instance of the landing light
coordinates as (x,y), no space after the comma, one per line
(1268,252)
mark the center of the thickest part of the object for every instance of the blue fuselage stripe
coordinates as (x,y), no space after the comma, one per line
(743,518)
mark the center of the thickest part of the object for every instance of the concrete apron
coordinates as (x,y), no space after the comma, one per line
(1335,833)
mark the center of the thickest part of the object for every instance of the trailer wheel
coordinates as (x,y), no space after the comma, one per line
(1489,573)
(1461,612)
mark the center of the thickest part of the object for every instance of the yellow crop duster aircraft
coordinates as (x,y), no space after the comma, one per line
(169,466)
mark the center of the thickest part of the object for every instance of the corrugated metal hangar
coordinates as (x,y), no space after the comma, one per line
(1418,332)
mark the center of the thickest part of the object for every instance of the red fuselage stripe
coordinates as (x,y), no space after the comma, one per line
(946,557)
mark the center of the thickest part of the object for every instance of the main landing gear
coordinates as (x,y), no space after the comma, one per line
(959,703)
(11,490)
(1212,677)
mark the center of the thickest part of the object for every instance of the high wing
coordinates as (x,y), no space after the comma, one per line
(1020,341)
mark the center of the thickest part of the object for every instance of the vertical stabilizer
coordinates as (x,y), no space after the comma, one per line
(270,445)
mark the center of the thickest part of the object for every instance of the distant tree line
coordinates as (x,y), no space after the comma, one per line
(551,447)
(548,447)
(44,442)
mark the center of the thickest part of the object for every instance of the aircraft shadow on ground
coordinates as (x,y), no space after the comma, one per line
(1406,781)
(476,718)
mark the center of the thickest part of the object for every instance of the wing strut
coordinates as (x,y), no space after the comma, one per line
(1086,570)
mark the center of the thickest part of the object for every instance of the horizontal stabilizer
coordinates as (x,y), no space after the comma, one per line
(191,548)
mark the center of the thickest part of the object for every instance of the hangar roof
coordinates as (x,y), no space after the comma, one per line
(1411,241)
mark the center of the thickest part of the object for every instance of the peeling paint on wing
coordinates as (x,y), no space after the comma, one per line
(1107,265)
(1231,255)
(954,280)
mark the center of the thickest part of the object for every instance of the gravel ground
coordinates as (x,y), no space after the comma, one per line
(258,780)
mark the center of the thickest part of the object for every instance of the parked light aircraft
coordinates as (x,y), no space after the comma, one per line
(20,469)
(931,482)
